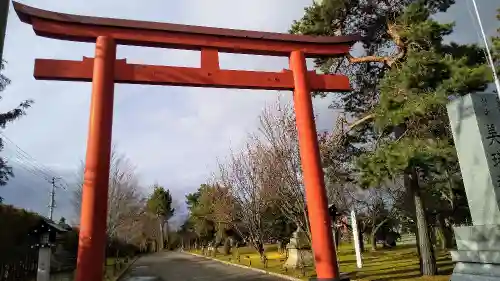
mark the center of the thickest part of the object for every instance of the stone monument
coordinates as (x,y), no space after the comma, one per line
(475,123)
(299,251)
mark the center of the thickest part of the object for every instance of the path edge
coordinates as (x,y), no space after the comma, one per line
(122,273)
(283,276)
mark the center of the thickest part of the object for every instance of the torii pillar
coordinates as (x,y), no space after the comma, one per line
(105,70)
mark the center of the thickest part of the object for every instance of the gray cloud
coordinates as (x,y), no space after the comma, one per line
(172,134)
(31,191)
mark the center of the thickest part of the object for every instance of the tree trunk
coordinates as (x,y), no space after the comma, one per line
(449,234)
(361,241)
(337,237)
(374,234)
(427,258)
(167,235)
(373,239)
(307,226)
(261,251)
(443,238)
(161,246)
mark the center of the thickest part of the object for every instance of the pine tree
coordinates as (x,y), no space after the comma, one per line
(398,99)
(496,46)
(369,19)
(200,213)
(160,205)
(411,115)
(10,116)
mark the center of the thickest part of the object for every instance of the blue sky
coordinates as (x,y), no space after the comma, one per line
(174,135)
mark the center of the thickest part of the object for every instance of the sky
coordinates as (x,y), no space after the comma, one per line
(174,135)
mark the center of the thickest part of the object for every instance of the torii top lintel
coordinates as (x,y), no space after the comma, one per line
(154,34)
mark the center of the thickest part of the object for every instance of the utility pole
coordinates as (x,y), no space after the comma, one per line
(52,203)
(44,253)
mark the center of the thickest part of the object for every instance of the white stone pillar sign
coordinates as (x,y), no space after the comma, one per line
(475,123)
(355,234)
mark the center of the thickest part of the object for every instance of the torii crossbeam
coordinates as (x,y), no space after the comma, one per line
(105,70)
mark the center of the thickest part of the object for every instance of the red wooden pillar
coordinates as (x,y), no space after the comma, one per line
(92,240)
(317,205)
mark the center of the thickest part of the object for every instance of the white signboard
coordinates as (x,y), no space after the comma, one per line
(475,123)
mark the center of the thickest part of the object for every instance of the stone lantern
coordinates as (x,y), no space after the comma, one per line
(45,234)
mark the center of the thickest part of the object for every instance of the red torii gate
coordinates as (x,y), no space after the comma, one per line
(105,70)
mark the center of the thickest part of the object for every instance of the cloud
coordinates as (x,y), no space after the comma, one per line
(32,192)
(172,134)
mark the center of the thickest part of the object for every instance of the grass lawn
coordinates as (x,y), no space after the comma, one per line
(400,263)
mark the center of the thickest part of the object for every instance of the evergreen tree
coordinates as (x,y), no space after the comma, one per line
(62,221)
(496,46)
(369,19)
(201,213)
(160,205)
(398,100)
(10,116)
(415,138)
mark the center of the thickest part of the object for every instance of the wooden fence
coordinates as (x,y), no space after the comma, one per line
(21,269)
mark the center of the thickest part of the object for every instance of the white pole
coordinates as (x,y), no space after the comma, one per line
(357,250)
(488,53)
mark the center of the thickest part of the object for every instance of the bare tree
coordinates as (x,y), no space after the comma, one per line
(146,232)
(240,177)
(338,196)
(377,207)
(338,168)
(77,192)
(125,199)
(222,210)
(279,160)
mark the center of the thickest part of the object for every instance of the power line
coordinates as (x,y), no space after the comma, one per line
(27,166)
(23,155)
(28,163)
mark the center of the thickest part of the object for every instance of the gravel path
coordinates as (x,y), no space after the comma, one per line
(177,266)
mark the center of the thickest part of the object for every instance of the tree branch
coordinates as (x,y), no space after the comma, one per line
(387,60)
(360,121)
